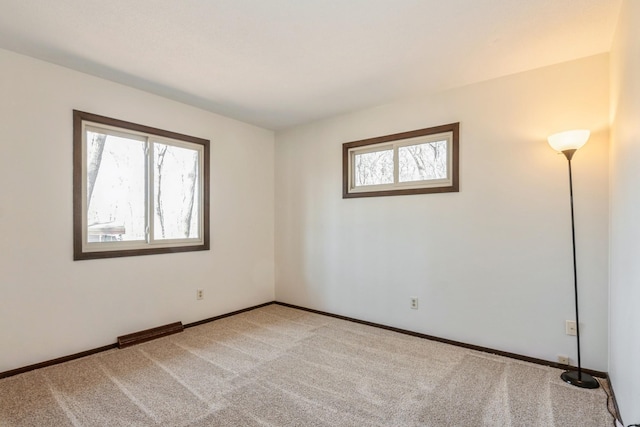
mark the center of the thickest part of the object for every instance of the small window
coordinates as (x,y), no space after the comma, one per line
(415,162)
(137,190)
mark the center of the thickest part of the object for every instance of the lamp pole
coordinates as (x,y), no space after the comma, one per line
(579,378)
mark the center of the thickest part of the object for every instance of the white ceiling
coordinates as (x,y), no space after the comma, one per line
(278,63)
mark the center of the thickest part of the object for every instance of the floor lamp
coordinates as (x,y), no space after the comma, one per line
(567,143)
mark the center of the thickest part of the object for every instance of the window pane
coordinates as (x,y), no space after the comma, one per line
(374,168)
(115,188)
(423,161)
(176,192)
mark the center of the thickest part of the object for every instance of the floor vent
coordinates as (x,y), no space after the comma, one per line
(149,334)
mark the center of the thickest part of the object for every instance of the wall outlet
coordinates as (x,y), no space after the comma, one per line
(570,327)
(414,303)
(200,294)
(563,360)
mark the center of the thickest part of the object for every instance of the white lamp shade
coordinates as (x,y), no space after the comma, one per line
(569,140)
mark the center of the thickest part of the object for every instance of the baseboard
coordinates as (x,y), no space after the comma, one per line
(599,374)
(68,358)
(149,334)
(56,361)
(615,402)
(85,353)
(537,361)
(222,316)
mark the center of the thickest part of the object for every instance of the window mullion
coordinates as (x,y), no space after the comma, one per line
(149,200)
(396,165)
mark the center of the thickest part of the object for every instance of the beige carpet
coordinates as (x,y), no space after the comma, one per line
(277,366)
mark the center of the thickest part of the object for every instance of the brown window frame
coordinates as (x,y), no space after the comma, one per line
(79,117)
(454,128)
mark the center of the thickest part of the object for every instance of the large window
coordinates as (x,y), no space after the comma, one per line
(137,190)
(416,162)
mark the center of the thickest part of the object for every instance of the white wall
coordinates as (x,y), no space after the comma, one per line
(492,264)
(51,306)
(624,365)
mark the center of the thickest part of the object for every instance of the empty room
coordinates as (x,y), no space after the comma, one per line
(320,213)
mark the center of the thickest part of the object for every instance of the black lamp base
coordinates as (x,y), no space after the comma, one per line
(583,380)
